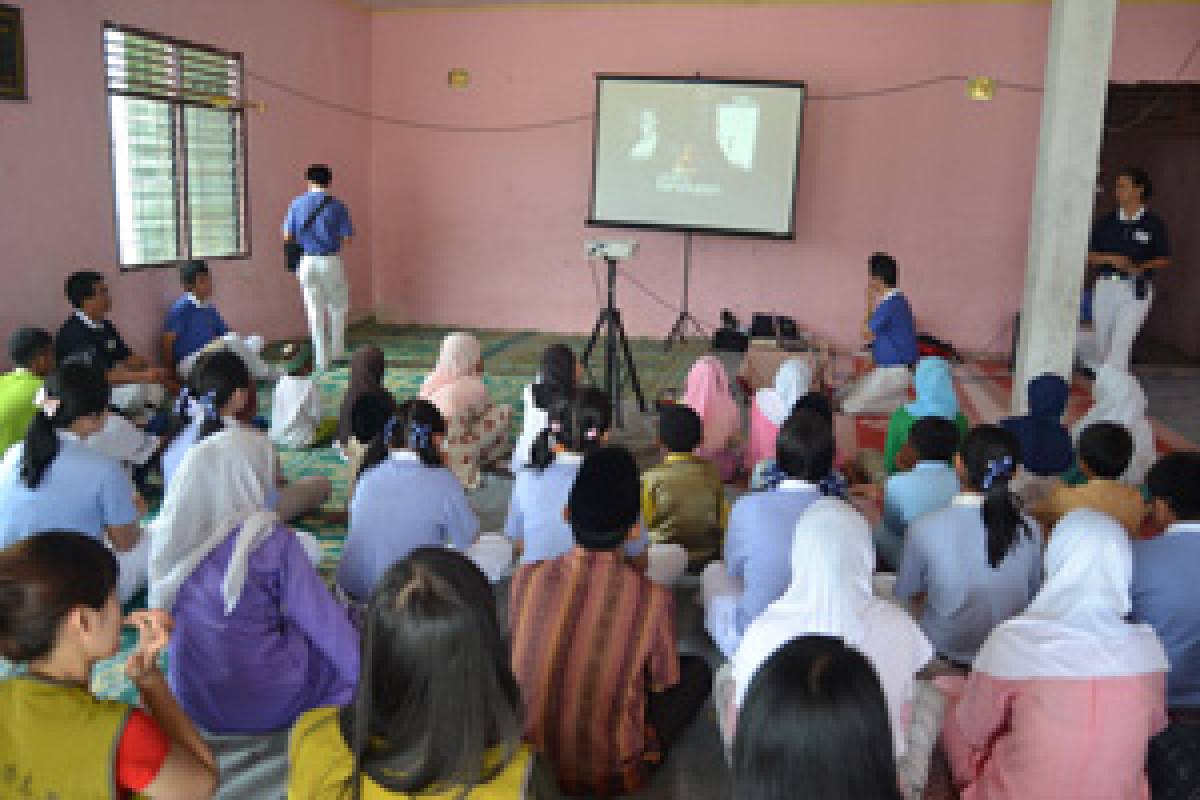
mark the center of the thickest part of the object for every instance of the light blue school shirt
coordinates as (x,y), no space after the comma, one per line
(324,236)
(82,491)
(1166,595)
(535,512)
(758,544)
(399,505)
(945,557)
(928,486)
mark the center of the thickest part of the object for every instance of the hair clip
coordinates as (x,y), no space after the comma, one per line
(389,428)
(591,434)
(1000,468)
(418,436)
(773,475)
(48,405)
(181,403)
(834,486)
(556,427)
(209,403)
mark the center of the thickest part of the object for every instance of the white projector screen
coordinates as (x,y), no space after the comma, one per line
(696,154)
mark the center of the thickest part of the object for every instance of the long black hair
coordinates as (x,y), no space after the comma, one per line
(805,446)
(556,376)
(814,722)
(81,390)
(412,427)
(436,692)
(577,420)
(215,376)
(990,454)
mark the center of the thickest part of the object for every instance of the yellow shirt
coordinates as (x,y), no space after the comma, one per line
(683,501)
(1123,503)
(17,390)
(321,766)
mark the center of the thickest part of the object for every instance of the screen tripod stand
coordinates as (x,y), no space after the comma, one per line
(609,322)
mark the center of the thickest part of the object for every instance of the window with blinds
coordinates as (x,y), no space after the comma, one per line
(178,148)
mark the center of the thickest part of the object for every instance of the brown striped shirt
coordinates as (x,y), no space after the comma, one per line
(591,636)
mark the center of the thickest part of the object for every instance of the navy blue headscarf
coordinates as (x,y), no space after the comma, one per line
(1046,447)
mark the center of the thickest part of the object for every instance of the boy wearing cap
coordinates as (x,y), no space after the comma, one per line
(594,646)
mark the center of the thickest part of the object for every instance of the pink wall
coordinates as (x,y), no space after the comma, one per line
(486,229)
(55,175)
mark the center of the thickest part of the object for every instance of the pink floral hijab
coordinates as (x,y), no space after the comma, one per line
(707,393)
(454,386)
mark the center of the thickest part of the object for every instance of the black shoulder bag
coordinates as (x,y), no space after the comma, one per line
(292,251)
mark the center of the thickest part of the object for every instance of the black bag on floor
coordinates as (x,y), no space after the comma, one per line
(1173,762)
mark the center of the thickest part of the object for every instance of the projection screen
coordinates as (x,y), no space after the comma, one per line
(711,155)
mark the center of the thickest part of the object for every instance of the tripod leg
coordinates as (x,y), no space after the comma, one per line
(633,377)
(591,345)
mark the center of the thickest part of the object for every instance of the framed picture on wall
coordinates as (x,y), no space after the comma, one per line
(12,54)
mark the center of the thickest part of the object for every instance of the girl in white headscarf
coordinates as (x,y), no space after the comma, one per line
(772,406)
(1063,698)
(832,561)
(1118,397)
(477,432)
(258,637)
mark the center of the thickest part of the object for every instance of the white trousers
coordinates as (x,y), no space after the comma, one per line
(326,301)
(123,441)
(134,568)
(880,391)
(1118,315)
(721,593)
(247,348)
(135,397)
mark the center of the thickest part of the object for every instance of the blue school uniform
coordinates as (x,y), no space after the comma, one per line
(928,486)
(82,491)
(1166,595)
(895,332)
(535,513)
(945,558)
(194,324)
(398,506)
(758,544)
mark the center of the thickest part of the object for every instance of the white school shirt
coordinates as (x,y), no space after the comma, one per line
(945,557)
(535,513)
(399,505)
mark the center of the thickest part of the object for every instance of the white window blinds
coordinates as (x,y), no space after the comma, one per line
(178,148)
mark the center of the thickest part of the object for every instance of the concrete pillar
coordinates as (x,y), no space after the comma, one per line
(1081,34)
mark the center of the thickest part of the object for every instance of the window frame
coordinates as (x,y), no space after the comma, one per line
(179,153)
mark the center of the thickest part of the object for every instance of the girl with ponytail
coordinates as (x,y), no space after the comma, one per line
(54,481)
(558,375)
(405,498)
(577,424)
(978,562)
(219,396)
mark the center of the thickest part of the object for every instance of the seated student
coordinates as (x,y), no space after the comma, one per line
(59,616)
(683,499)
(1064,698)
(476,429)
(89,334)
(437,710)
(295,412)
(259,639)
(217,395)
(1166,594)
(367,368)
(934,385)
(831,594)
(815,724)
(930,485)
(969,567)
(891,332)
(32,353)
(1118,397)
(1046,447)
(771,407)
(606,693)
(1104,452)
(405,498)
(368,418)
(558,375)
(758,539)
(766,471)
(577,425)
(707,392)
(53,481)
(194,325)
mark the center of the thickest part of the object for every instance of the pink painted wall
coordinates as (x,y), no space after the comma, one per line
(486,229)
(55,172)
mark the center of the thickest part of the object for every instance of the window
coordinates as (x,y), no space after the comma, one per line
(178,134)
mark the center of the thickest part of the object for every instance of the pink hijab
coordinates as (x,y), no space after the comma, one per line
(453,386)
(707,393)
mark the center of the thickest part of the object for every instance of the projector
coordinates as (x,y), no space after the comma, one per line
(610,249)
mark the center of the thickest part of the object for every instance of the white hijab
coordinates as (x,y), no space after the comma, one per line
(791,383)
(1118,397)
(221,483)
(1075,626)
(832,561)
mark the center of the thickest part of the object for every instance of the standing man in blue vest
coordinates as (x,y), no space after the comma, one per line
(320,224)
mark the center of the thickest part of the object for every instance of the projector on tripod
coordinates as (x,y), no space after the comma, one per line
(610,249)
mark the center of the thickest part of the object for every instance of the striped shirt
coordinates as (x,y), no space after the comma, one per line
(591,636)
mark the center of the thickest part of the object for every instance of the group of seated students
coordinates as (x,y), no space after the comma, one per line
(1043,581)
